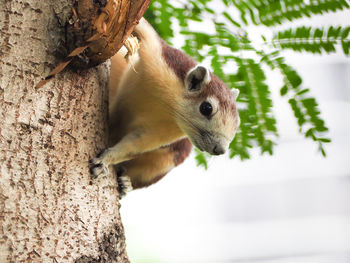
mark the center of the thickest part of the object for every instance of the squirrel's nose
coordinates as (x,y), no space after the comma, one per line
(218,149)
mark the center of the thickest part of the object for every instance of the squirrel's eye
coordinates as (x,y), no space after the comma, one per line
(206,109)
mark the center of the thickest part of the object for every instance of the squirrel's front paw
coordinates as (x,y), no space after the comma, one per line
(98,168)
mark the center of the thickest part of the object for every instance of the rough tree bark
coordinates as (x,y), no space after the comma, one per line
(50,210)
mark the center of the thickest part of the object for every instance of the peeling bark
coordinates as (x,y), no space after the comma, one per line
(50,210)
(102,30)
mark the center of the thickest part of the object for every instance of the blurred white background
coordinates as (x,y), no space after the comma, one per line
(293,206)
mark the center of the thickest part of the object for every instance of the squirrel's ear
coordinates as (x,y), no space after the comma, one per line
(235,92)
(196,78)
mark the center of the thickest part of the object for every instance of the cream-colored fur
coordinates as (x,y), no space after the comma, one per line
(118,66)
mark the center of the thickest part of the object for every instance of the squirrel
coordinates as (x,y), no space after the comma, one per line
(162,102)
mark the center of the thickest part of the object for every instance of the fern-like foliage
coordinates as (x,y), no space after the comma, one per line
(304,107)
(273,12)
(228,43)
(313,40)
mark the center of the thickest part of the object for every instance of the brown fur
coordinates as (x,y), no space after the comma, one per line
(216,88)
(181,150)
(148,168)
(181,63)
(177,60)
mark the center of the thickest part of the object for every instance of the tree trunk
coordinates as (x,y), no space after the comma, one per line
(50,210)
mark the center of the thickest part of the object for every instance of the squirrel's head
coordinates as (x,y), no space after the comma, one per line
(208,113)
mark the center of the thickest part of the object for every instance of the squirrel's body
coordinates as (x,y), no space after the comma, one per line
(160,100)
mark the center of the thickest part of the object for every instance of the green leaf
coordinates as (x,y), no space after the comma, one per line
(345,46)
(284,90)
(325,140)
(229,18)
(201,159)
(302,92)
